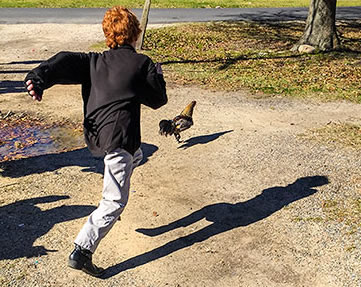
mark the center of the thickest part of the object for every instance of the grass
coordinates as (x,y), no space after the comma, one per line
(348,211)
(309,219)
(239,55)
(345,134)
(167,3)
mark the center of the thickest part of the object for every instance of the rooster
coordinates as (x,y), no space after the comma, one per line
(180,123)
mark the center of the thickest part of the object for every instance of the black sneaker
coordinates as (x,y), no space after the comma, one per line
(81,259)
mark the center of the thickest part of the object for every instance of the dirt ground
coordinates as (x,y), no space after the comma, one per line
(241,202)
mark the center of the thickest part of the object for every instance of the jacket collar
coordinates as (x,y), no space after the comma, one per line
(125,46)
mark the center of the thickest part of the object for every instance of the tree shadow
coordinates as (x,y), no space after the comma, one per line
(7,87)
(226,62)
(268,14)
(202,139)
(29,62)
(284,14)
(14,72)
(22,222)
(275,37)
(51,162)
(223,217)
(231,60)
(348,13)
(15,86)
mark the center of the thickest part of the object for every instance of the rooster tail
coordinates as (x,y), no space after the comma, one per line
(188,111)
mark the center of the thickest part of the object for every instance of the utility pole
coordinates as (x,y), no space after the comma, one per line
(143,24)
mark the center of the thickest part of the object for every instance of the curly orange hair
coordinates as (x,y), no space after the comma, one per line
(120,26)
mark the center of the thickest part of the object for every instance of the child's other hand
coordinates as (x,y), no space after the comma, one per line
(158,66)
(31,91)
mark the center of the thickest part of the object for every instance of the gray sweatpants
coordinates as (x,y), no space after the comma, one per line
(118,168)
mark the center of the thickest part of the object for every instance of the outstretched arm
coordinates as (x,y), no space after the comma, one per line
(154,93)
(63,68)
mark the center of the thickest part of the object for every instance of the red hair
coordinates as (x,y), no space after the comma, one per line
(120,26)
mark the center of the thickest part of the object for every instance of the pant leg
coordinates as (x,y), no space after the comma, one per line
(118,168)
(137,158)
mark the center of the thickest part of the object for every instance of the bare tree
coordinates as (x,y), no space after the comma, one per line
(143,24)
(320,31)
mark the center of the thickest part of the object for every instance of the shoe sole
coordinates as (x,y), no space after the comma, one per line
(78,266)
(92,274)
(75,264)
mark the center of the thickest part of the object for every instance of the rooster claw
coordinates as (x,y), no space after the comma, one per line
(177,137)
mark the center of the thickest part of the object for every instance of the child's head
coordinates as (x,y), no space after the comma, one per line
(120,26)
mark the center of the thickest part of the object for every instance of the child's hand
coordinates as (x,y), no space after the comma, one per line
(31,91)
(158,66)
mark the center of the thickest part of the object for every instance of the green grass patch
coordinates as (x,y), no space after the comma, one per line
(309,219)
(351,248)
(237,55)
(165,3)
(345,134)
(346,211)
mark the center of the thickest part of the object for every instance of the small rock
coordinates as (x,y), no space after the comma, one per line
(18,145)
(308,49)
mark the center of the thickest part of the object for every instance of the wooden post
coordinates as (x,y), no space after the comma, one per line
(143,24)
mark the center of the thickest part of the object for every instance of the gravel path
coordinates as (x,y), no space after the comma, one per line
(245,200)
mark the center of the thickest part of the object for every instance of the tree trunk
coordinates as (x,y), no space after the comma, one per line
(143,24)
(320,31)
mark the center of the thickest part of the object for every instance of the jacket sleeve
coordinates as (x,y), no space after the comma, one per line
(63,68)
(154,94)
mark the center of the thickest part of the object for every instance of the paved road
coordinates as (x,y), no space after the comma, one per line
(160,16)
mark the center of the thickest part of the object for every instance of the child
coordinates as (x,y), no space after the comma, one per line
(114,85)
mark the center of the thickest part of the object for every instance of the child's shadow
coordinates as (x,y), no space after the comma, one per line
(22,223)
(52,162)
(224,217)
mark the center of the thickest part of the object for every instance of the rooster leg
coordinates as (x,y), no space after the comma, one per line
(177,137)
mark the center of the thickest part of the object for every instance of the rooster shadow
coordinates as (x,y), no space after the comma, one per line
(223,217)
(22,223)
(202,139)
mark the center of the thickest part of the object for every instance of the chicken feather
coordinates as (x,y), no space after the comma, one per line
(179,123)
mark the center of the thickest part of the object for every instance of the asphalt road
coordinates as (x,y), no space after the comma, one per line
(162,16)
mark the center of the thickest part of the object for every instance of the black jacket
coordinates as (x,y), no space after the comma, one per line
(114,85)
